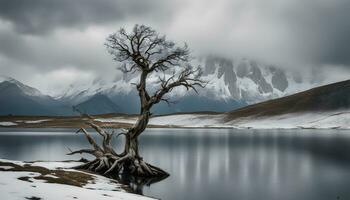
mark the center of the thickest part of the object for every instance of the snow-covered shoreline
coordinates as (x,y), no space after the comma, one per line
(303,120)
(319,120)
(46,180)
(306,120)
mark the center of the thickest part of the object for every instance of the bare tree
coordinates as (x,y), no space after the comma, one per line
(147,54)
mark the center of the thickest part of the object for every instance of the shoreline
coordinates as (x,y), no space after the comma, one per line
(297,121)
(57,180)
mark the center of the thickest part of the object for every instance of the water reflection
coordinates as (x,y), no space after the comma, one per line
(136,184)
(220,164)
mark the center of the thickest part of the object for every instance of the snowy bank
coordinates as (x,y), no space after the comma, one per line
(307,120)
(187,120)
(54,181)
(316,120)
(174,120)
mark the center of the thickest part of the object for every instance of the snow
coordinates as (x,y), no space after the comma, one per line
(316,120)
(36,121)
(182,120)
(217,85)
(4,78)
(13,188)
(51,176)
(32,121)
(320,120)
(80,91)
(20,163)
(5,167)
(308,120)
(7,124)
(127,120)
(98,189)
(55,165)
(186,120)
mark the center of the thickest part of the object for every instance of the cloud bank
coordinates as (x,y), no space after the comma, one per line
(41,38)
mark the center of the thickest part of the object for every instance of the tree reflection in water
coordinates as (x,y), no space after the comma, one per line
(136,184)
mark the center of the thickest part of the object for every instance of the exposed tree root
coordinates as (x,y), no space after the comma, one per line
(108,162)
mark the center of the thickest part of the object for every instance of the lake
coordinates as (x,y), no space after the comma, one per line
(217,163)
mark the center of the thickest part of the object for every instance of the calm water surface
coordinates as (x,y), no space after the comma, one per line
(218,164)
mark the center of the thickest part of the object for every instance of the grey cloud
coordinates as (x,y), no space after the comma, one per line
(323,28)
(291,32)
(44,35)
(43,16)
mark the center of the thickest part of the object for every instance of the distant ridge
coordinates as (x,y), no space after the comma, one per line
(17,98)
(98,104)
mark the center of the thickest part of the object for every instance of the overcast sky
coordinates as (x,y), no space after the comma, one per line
(51,43)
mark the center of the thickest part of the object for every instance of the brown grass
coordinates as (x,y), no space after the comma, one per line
(328,97)
(71,122)
(73,178)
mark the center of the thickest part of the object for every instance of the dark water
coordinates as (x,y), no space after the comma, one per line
(220,164)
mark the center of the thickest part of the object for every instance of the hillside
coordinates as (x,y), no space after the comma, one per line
(330,97)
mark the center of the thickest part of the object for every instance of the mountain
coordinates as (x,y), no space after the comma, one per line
(98,104)
(325,107)
(15,101)
(233,83)
(17,98)
(252,82)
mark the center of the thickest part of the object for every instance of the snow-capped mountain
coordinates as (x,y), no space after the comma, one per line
(24,88)
(232,84)
(17,98)
(253,82)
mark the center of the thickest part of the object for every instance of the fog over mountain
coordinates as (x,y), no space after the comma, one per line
(232,83)
(52,44)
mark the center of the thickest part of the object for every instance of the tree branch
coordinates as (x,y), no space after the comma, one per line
(90,139)
(189,78)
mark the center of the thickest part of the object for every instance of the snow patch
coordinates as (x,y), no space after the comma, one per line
(127,120)
(6,167)
(186,120)
(11,187)
(56,165)
(7,124)
(307,120)
(36,121)
(317,120)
